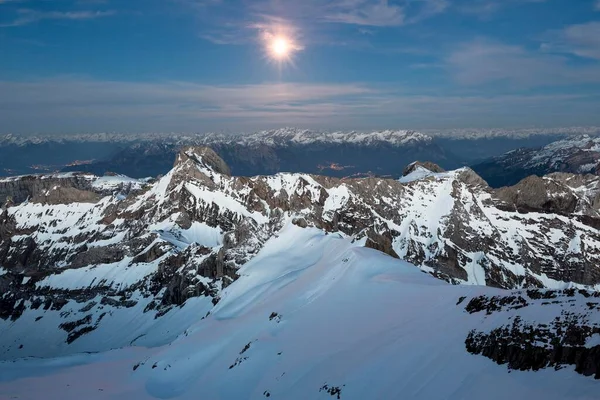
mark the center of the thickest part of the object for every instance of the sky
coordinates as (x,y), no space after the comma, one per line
(86,66)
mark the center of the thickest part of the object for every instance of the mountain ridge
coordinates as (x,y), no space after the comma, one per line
(295,132)
(578,155)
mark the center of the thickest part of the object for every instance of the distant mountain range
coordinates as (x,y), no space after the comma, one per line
(578,155)
(341,154)
(287,133)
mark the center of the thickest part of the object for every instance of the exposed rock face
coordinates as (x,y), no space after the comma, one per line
(539,194)
(568,339)
(37,188)
(59,188)
(204,156)
(427,165)
(186,235)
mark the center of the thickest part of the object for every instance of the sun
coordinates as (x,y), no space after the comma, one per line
(280,48)
(280,43)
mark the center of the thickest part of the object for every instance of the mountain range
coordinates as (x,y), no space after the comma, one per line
(296,285)
(578,155)
(341,154)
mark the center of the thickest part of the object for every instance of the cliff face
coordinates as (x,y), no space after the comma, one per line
(37,188)
(63,188)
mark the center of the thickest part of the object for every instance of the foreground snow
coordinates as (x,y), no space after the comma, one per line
(311,313)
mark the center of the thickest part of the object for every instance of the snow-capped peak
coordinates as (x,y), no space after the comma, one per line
(304,136)
(281,137)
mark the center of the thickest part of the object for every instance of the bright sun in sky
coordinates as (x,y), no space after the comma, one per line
(280,44)
(280,47)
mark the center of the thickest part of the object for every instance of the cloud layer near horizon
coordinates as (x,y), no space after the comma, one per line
(73,105)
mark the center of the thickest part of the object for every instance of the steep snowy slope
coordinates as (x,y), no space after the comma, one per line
(315,316)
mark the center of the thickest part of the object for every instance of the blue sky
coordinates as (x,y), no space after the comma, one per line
(203,65)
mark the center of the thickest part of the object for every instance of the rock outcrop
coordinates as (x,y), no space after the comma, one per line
(418,164)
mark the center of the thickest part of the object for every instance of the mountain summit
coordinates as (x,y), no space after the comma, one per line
(204,157)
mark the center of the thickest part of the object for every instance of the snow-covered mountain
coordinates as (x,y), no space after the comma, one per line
(273,282)
(518,133)
(298,135)
(579,155)
(315,316)
(289,136)
(276,136)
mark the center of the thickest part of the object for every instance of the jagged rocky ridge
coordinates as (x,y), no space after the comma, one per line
(578,155)
(85,256)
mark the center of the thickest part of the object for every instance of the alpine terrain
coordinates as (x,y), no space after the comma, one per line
(579,154)
(203,284)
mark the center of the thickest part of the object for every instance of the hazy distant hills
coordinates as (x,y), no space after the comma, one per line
(340,154)
(339,158)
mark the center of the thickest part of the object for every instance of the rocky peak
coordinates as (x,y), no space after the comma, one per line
(471,178)
(539,194)
(204,157)
(425,165)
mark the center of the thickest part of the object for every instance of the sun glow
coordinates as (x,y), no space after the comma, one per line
(280,48)
(280,43)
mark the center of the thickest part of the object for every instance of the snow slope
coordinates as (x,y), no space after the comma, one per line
(311,314)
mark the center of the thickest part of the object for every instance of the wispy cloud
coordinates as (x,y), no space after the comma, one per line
(231,25)
(75,105)
(365,12)
(486,8)
(374,13)
(597,5)
(484,61)
(582,40)
(29,16)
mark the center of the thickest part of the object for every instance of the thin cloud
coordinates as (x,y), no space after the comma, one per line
(582,40)
(71,105)
(486,8)
(375,13)
(366,13)
(484,61)
(29,16)
(313,16)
